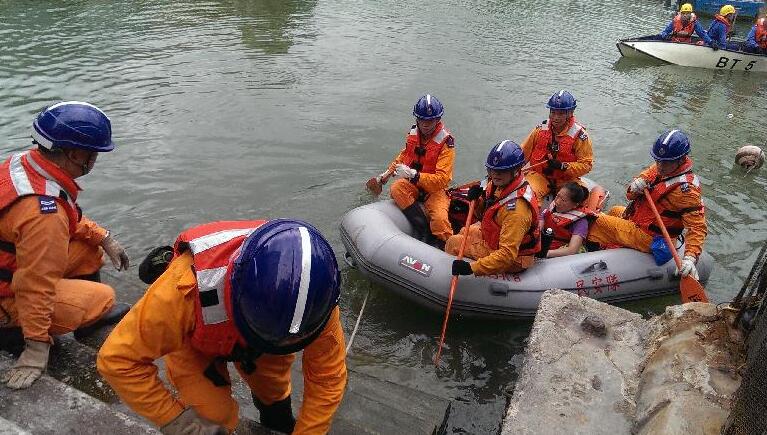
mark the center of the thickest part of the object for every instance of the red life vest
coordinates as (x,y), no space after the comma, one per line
(640,212)
(682,33)
(761,33)
(545,148)
(212,246)
(29,173)
(491,231)
(560,222)
(429,153)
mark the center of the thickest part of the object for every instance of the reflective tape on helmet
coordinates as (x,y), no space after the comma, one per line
(668,136)
(306,274)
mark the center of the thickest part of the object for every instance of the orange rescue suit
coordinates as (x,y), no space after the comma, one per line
(678,200)
(163,323)
(681,32)
(491,231)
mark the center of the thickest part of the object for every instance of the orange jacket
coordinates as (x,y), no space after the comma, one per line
(436,163)
(29,173)
(682,33)
(574,149)
(507,198)
(163,322)
(679,202)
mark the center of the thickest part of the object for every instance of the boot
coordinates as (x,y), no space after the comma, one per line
(432,240)
(118,311)
(94,277)
(277,416)
(417,218)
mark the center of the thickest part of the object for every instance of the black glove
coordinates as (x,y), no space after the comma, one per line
(714,45)
(461,267)
(475,192)
(555,165)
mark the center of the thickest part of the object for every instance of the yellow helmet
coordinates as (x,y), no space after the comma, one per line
(726,10)
(686,8)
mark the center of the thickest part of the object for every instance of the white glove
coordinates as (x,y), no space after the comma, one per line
(638,185)
(404,171)
(29,367)
(115,252)
(688,267)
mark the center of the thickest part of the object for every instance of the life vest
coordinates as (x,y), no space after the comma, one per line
(682,33)
(724,21)
(212,246)
(423,158)
(560,222)
(546,148)
(491,231)
(29,173)
(640,212)
(761,33)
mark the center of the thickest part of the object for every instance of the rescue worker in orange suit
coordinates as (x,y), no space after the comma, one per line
(424,169)
(677,195)
(508,235)
(681,28)
(50,255)
(250,292)
(756,42)
(559,150)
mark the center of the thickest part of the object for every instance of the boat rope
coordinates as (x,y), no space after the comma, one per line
(357,324)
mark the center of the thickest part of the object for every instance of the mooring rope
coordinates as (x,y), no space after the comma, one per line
(357,325)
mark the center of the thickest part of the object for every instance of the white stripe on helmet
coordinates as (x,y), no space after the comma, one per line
(668,136)
(428,99)
(561,93)
(306,274)
(63,103)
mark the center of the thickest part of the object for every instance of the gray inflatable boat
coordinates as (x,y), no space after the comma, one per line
(378,243)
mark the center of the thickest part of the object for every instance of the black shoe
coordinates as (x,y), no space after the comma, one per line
(432,240)
(118,311)
(277,416)
(417,219)
(95,276)
(155,263)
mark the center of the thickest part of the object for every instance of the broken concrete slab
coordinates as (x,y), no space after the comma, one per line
(10,428)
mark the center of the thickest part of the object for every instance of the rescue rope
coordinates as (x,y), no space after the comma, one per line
(357,324)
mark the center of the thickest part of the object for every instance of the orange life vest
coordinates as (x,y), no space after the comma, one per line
(761,33)
(682,33)
(491,231)
(724,21)
(546,148)
(29,173)
(560,222)
(423,158)
(640,212)
(212,246)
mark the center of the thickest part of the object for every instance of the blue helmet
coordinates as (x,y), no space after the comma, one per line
(562,100)
(73,124)
(671,145)
(428,107)
(505,155)
(284,286)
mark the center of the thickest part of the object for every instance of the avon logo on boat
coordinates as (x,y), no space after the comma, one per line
(415,264)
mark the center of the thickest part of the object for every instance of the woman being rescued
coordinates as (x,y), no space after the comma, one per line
(568,217)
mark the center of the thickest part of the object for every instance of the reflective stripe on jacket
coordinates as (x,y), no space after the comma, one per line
(546,148)
(560,222)
(491,231)
(423,158)
(212,246)
(29,173)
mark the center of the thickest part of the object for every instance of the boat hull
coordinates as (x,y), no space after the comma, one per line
(692,55)
(378,244)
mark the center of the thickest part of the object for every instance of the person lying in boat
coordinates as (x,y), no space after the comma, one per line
(568,217)
(508,235)
(720,28)
(677,195)
(558,149)
(756,42)
(684,24)
(424,169)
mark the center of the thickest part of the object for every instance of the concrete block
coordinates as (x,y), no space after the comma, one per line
(10,428)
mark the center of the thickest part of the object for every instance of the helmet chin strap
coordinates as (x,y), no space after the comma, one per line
(83,166)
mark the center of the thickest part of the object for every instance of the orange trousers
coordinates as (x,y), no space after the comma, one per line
(436,204)
(270,382)
(612,229)
(476,248)
(541,185)
(78,302)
